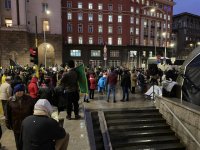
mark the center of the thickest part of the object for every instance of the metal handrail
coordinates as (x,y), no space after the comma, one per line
(104,130)
(190,134)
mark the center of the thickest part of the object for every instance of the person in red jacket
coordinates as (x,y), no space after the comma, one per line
(92,86)
(33,89)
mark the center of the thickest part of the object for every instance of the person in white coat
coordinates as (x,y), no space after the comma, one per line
(5,92)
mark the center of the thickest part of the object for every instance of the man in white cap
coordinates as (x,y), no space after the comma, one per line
(41,132)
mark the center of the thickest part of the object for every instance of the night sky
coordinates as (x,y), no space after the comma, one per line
(191,6)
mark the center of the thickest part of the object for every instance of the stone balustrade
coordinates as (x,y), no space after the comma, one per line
(187,113)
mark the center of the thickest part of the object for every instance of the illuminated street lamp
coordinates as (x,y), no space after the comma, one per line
(46,46)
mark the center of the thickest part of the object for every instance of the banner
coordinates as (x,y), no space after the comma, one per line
(82,80)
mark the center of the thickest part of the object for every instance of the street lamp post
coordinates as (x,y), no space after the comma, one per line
(45,44)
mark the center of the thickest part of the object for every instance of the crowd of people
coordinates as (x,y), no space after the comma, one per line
(27,99)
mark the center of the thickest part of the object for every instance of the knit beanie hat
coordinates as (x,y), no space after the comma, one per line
(18,87)
(43,105)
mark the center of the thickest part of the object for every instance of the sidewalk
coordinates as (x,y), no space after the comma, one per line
(77,128)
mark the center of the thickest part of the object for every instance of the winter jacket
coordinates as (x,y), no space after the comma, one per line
(60,97)
(112,78)
(5,91)
(3,79)
(102,82)
(133,79)
(33,88)
(43,134)
(92,83)
(18,108)
(126,80)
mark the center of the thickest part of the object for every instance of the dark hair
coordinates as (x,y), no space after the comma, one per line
(71,64)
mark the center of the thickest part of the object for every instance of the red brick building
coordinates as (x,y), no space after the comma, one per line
(131,30)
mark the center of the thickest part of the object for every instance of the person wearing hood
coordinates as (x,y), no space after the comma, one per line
(19,107)
(33,89)
(45,133)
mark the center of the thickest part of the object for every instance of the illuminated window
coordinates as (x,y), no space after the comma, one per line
(80,16)
(114,53)
(100,17)
(110,18)
(75,53)
(109,40)
(90,17)
(80,5)
(120,18)
(69,16)
(46,25)
(100,28)
(80,40)
(95,53)
(100,6)
(90,6)
(69,39)
(119,41)
(8,22)
(110,29)
(90,40)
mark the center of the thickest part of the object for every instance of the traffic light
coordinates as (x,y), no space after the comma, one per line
(34,55)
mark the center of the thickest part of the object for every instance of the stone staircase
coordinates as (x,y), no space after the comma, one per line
(134,129)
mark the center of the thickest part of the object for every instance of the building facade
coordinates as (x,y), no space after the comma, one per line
(186,27)
(29,23)
(116,32)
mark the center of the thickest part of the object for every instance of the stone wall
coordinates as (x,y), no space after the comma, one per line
(16,44)
(187,113)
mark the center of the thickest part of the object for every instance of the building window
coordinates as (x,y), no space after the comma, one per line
(169,18)
(80,40)
(110,29)
(132,41)
(137,11)
(119,41)
(45,25)
(90,29)
(100,6)
(100,17)
(110,18)
(69,39)
(69,27)
(90,40)
(119,29)
(114,63)
(69,4)
(80,16)
(137,21)
(7,4)
(137,31)
(69,16)
(144,53)
(95,53)
(80,5)
(90,17)
(145,42)
(120,18)
(114,53)
(131,30)
(165,17)
(75,53)
(80,28)
(150,54)
(138,1)
(131,19)
(100,28)
(90,6)
(136,41)
(44,7)
(109,40)
(119,7)
(100,40)
(147,2)
(8,22)
(110,7)
(168,26)
(145,23)
(132,9)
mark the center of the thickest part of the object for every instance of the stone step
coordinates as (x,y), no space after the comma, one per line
(168,146)
(135,121)
(143,141)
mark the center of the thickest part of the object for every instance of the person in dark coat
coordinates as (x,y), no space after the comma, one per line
(60,97)
(70,82)
(19,107)
(126,85)
(45,92)
(45,133)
